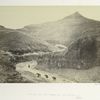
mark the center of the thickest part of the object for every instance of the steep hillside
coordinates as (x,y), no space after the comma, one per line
(64,30)
(16,42)
(77,33)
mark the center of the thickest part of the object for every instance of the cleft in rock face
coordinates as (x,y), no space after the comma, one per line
(82,54)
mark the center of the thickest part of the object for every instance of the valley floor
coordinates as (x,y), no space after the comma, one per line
(38,75)
(67,75)
(91,75)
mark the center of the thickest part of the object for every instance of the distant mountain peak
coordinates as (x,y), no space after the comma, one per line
(75,15)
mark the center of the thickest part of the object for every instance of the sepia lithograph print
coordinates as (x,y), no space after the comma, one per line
(50,44)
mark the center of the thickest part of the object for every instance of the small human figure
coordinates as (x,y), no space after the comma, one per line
(28,66)
(54,78)
(38,75)
(46,76)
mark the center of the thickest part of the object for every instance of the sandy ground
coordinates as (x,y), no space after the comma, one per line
(91,75)
(30,72)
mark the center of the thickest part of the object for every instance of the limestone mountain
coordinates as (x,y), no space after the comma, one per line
(79,34)
(65,30)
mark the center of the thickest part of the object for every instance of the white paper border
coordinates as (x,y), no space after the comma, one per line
(48,2)
(50,91)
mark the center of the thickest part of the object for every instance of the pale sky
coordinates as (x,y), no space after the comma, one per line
(17,17)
